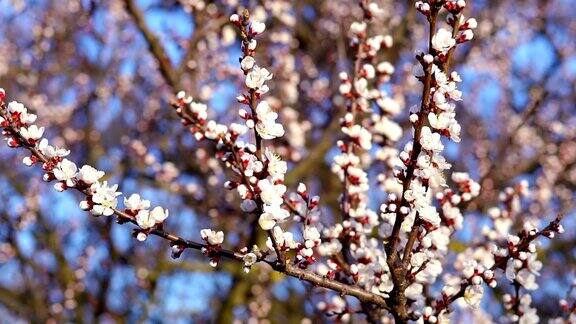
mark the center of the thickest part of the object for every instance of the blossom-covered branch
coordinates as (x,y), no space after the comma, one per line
(102,199)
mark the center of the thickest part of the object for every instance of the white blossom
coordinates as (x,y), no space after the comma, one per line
(32,132)
(256,77)
(104,198)
(159,214)
(345,88)
(283,239)
(89,175)
(442,41)
(199,109)
(529,314)
(374,9)
(358,27)
(252,164)
(249,259)
(144,219)
(271,194)
(527,279)
(215,130)
(135,202)
(471,23)
(389,105)
(234,18)
(212,237)
(417,194)
(301,189)
(276,167)
(387,127)
(16,107)
(238,128)
(414,291)
(361,86)
(271,215)
(430,141)
(242,191)
(266,221)
(247,63)
(280,214)
(385,67)
(360,134)
(430,215)
(473,295)
(66,171)
(311,233)
(257,27)
(266,126)
(467,35)
(50,151)
(369,70)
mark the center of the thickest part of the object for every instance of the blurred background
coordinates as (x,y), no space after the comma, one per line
(100,75)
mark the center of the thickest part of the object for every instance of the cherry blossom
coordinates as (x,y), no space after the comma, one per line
(271,194)
(159,214)
(271,215)
(473,295)
(135,202)
(89,175)
(212,237)
(249,259)
(104,198)
(267,221)
(32,133)
(257,27)
(66,171)
(247,63)
(276,167)
(442,41)
(431,141)
(51,151)
(145,220)
(266,126)
(257,76)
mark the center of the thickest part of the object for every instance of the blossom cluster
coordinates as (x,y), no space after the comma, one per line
(367,122)
(262,118)
(265,173)
(214,240)
(411,211)
(511,255)
(101,198)
(259,170)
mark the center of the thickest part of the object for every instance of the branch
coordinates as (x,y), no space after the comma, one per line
(317,280)
(391,246)
(500,263)
(421,114)
(154,45)
(11,131)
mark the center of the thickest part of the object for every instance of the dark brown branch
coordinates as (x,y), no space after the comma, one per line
(155,46)
(398,271)
(317,280)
